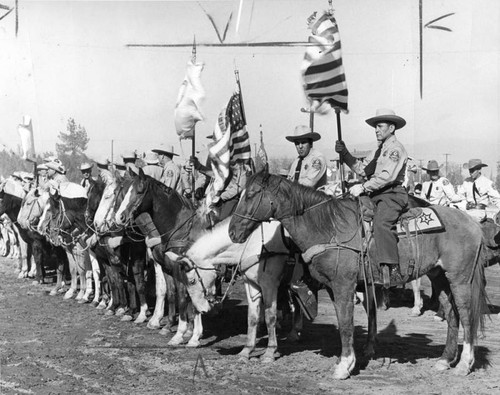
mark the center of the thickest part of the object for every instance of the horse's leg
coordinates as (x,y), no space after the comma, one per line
(254,298)
(81,270)
(88,276)
(61,263)
(33,265)
(418,303)
(270,298)
(72,270)
(138,269)
(96,274)
(370,306)
(25,255)
(184,329)
(450,353)
(161,289)
(343,288)
(39,256)
(197,330)
(171,292)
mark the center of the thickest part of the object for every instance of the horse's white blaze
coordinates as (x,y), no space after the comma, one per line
(123,207)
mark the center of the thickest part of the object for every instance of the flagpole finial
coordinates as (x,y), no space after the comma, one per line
(193,51)
(330,7)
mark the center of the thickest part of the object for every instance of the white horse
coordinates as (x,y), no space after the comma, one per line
(261,260)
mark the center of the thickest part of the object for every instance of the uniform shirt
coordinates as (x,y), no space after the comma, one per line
(154,171)
(171,174)
(391,164)
(237,183)
(486,192)
(313,170)
(442,192)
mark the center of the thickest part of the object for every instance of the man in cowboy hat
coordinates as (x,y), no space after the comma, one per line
(41,170)
(203,173)
(309,168)
(384,172)
(86,169)
(56,172)
(438,190)
(171,171)
(477,190)
(152,167)
(102,164)
(129,158)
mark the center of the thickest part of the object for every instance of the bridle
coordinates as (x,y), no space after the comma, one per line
(192,266)
(253,215)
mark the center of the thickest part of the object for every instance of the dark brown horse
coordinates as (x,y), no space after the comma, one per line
(328,229)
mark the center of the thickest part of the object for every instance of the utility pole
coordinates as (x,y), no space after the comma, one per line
(446,165)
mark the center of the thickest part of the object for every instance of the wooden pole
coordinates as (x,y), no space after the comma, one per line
(193,138)
(339,137)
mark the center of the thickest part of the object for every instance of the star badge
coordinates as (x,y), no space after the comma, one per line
(426,218)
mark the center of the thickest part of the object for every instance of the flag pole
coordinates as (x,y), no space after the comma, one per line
(341,163)
(193,138)
(237,76)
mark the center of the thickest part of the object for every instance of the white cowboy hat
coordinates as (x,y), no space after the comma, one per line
(103,162)
(41,166)
(151,158)
(129,155)
(58,167)
(86,166)
(163,152)
(302,132)
(386,115)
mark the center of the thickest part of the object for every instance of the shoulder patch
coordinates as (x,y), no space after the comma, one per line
(395,155)
(170,173)
(445,181)
(316,164)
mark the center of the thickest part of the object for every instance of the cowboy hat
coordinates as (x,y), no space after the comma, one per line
(303,132)
(163,152)
(120,165)
(58,167)
(432,165)
(386,115)
(41,166)
(27,176)
(17,174)
(103,162)
(475,164)
(86,166)
(129,155)
(151,158)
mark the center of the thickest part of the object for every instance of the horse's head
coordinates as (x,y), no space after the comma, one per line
(136,199)
(255,206)
(199,282)
(94,196)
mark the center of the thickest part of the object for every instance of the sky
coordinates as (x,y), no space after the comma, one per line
(70,59)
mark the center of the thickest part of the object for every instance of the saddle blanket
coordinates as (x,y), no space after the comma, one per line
(426,221)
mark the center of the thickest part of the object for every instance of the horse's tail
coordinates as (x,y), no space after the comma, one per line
(479,298)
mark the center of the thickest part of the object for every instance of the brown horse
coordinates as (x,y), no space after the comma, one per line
(451,259)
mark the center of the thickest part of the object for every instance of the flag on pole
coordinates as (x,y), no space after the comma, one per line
(191,95)
(322,69)
(261,157)
(25,131)
(232,142)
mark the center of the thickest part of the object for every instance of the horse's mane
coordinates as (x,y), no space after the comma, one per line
(170,192)
(327,213)
(74,204)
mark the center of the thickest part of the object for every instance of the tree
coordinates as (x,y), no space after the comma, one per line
(74,141)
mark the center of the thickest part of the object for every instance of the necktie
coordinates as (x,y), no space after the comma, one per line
(429,191)
(474,191)
(297,169)
(370,167)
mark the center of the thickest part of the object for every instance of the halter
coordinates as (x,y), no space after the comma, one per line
(196,268)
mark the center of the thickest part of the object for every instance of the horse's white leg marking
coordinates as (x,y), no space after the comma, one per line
(197,331)
(161,290)
(464,367)
(72,270)
(96,274)
(343,369)
(418,303)
(182,328)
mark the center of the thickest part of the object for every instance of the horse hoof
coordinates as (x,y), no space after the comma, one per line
(175,342)
(195,344)
(69,294)
(153,325)
(121,311)
(140,320)
(266,359)
(94,303)
(442,365)
(101,306)
(126,318)
(461,370)
(109,312)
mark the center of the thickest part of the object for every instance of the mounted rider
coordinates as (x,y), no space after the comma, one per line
(87,180)
(152,167)
(438,190)
(384,172)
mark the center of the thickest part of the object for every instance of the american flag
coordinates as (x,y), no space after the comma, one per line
(261,158)
(232,143)
(322,69)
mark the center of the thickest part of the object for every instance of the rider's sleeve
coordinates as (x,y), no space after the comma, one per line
(449,191)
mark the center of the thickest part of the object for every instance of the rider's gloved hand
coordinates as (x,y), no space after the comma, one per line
(356,190)
(340,147)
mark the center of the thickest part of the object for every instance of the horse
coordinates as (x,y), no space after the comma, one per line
(178,223)
(122,258)
(328,232)
(261,260)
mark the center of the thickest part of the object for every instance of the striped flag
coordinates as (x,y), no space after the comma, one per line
(322,70)
(232,142)
(261,157)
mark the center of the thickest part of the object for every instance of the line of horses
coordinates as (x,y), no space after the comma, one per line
(99,241)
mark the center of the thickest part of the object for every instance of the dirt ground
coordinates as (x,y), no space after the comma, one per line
(52,346)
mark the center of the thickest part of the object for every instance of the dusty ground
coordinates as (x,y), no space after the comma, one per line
(52,346)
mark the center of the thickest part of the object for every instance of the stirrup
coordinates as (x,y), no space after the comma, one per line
(386,274)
